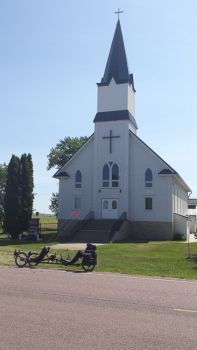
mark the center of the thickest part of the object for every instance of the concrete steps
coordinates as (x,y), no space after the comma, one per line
(95,231)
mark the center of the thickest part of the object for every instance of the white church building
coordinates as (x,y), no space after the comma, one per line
(115,186)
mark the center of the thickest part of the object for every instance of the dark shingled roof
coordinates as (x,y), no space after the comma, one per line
(61,174)
(167,172)
(114,116)
(117,66)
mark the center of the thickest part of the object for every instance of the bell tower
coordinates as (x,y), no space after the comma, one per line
(116,91)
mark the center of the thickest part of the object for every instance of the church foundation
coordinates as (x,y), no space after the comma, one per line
(144,231)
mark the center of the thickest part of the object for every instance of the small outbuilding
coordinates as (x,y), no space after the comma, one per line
(192,212)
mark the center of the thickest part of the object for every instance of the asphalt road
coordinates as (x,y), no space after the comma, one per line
(42,309)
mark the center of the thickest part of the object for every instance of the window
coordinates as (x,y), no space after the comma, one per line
(114,204)
(148,178)
(110,175)
(115,175)
(105,204)
(106,176)
(78,179)
(78,203)
(148,203)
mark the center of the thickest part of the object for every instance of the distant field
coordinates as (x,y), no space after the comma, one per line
(47,218)
(47,221)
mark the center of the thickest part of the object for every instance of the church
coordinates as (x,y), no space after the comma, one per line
(115,187)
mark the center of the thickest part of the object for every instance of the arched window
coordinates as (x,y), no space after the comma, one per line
(78,179)
(110,175)
(106,176)
(148,178)
(115,175)
(105,204)
(114,204)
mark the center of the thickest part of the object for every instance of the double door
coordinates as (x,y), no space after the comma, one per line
(109,208)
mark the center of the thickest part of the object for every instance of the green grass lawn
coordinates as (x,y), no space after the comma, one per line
(166,259)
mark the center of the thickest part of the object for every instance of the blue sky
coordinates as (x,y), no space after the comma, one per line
(52,54)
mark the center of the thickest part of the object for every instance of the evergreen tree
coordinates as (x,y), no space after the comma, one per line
(26,184)
(3,176)
(13,198)
(18,195)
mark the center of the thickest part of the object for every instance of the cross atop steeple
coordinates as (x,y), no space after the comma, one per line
(118,12)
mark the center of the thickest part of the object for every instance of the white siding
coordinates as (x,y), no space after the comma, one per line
(83,161)
(168,195)
(181,224)
(119,155)
(180,199)
(141,158)
(115,97)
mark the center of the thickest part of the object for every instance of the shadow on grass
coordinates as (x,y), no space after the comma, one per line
(46,236)
(192,257)
(131,241)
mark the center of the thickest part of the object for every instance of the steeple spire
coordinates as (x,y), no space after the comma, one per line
(116,92)
(117,66)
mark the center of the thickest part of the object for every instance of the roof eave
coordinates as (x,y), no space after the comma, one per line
(183,182)
(58,177)
(174,173)
(180,180)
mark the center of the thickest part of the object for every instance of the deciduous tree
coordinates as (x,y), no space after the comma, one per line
(64,150)
(58,156)
(54,203)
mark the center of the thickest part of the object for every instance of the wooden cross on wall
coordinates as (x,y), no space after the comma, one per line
(110,137)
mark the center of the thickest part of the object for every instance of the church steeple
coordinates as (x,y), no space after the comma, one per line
(117,67)
(116,92)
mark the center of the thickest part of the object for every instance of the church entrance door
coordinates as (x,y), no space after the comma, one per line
(109,208)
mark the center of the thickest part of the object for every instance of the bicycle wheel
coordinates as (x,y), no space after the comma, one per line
(31,261)
(21,259)
(87,267)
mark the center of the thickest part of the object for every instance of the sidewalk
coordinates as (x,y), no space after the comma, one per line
(191,238)
(72,246)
